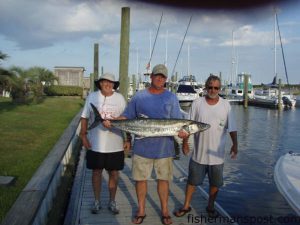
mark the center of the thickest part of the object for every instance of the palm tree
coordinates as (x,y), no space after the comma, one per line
(25,84)
(3,56)
(4,75)
(42,75)
(20,84)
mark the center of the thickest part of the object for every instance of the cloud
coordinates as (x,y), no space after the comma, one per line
(248,36)
(43,23)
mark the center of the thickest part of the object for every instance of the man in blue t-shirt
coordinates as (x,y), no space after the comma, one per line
(153,152)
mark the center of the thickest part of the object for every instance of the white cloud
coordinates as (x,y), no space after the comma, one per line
(248,36)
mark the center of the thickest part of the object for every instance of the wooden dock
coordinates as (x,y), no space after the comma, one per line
(82,200)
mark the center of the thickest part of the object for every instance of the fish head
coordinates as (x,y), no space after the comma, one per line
(195,127)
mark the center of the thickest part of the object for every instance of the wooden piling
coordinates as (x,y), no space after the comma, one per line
(96,65)
(173,82)
(246,82)
(133,84)
(124,51)
(92,84)
(279,95)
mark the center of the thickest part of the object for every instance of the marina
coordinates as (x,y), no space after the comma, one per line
(252,193)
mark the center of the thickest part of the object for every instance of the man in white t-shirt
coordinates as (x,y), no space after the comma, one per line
(209,146)
(105,147)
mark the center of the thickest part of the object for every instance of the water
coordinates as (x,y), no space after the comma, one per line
(249,189)
(249,193)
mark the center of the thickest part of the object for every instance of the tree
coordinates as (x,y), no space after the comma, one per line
(42,75)
(25,85)
(5,75)
(20,84)
(38,78)
(3,56)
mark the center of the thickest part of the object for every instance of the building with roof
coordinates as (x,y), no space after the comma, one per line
(69,76)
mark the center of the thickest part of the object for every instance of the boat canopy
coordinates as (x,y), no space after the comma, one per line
(185,89)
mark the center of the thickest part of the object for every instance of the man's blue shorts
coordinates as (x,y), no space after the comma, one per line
(197,173)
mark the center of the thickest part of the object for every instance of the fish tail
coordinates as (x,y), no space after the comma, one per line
(98,118)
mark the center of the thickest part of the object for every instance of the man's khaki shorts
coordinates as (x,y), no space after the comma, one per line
(142,168)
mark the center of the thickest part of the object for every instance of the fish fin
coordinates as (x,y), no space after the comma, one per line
(98,118)
(94,124)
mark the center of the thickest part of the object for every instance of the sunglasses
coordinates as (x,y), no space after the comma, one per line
(215,88)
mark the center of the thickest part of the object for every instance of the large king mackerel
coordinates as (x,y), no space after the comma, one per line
(147,127)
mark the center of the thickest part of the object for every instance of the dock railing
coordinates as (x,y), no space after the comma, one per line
(36,199)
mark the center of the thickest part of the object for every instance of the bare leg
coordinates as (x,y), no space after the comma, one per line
(189,191)
(141,192)
(113,183)
(213,191)
(96,182)
(163,192)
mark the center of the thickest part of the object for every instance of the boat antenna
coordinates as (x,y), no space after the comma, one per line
(149,63)
(181,44)
(286,75)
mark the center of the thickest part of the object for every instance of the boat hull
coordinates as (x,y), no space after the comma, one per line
(287,179)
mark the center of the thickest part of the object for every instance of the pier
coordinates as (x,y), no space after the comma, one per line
(43,193)
(82,199)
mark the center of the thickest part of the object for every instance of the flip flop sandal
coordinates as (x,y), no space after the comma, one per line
(163,218)
(141,218)
(181,212)
(212,213)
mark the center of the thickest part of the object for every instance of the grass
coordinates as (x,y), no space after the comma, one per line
(28,133)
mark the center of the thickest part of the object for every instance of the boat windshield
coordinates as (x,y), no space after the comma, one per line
(185,89)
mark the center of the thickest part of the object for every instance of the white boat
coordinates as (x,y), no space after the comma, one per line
(269,97)
(236,91)
(188,90)
(191,80)
(186,94)
(287,179)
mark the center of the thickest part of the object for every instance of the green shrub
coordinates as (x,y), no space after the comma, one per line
(57,90)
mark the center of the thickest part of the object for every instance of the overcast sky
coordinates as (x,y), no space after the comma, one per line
(53,33)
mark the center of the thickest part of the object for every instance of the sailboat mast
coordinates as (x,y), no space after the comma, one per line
(188,72)
(166,59)
(236,65)
(137,61)
(150,47)
(283,57)
(275,48)
(181,45)
(232,59)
